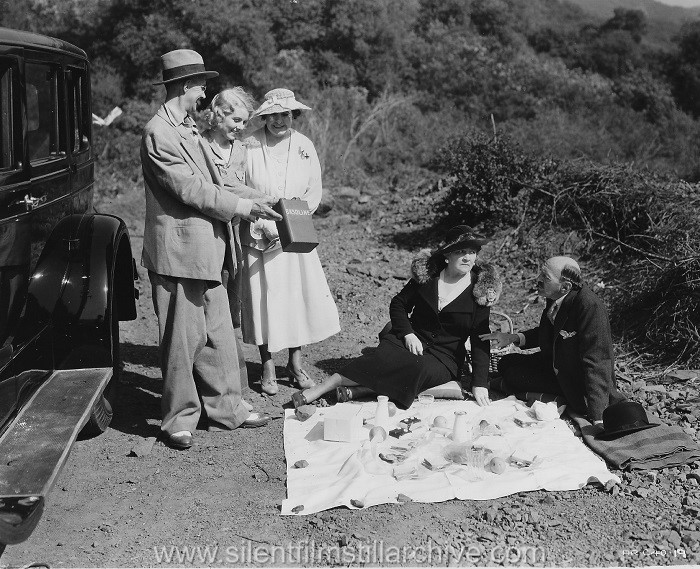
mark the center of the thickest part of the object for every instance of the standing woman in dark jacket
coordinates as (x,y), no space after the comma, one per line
(446,302)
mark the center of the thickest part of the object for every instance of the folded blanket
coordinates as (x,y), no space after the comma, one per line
(660,447)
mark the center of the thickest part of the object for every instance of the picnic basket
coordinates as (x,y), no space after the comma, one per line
(498,322)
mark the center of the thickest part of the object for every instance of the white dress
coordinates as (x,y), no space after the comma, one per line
(286,301)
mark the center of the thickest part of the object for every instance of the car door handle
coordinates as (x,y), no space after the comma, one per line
(30,202)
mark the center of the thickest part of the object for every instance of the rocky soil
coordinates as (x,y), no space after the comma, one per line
(121,502)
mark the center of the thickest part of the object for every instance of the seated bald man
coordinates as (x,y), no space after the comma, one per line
(576,354)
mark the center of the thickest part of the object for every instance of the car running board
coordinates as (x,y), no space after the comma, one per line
(34,448)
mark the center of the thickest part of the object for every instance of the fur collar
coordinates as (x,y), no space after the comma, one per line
(487,287)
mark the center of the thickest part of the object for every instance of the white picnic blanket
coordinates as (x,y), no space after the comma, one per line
(351,474)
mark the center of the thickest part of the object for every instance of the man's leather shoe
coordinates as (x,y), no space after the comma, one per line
(181,440)
(256,420)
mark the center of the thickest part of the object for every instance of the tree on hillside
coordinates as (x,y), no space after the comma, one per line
(451,13)
(684,69)
(632,21)
(613,48)
(373,36)
(296,25)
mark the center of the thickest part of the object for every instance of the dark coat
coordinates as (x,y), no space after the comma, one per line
(579,347)
(443,334)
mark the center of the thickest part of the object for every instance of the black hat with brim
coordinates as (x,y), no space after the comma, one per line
(461,237)
(624,418)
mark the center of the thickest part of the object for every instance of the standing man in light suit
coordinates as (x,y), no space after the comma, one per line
(576,357)
(188,241)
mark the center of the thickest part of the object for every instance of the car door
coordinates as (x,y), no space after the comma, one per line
(35,192)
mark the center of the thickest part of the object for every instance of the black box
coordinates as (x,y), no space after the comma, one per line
(296,229)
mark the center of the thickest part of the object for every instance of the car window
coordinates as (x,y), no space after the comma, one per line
(6,130)
(77,105)
(43,119)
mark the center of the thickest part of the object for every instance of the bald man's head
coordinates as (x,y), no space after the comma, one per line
(558,276)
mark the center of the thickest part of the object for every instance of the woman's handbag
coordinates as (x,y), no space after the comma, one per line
(296,229)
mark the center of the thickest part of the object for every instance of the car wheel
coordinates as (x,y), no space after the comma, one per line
(103,411)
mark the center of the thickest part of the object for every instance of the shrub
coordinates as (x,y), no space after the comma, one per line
(485,176)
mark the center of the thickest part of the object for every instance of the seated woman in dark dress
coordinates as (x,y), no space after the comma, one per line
(446,302)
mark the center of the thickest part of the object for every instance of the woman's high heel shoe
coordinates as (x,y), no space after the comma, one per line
(301,377)
(269,385)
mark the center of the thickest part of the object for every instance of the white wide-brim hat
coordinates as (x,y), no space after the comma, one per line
(279,101)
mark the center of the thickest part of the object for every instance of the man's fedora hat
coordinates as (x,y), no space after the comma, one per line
(623,418)
(183,63)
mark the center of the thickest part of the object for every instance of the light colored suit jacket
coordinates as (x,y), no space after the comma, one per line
(188,230)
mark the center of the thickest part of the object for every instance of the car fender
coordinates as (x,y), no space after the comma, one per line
(85,274)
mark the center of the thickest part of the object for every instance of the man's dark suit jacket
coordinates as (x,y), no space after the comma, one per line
(579,347)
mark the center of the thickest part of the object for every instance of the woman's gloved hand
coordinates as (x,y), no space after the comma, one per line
(269,229)
(413,344)
(481,394)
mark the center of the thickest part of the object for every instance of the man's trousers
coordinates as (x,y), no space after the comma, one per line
(198,354)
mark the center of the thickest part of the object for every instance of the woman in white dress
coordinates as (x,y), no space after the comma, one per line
(286,300)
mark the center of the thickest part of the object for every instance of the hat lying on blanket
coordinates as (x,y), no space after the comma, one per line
(623,418)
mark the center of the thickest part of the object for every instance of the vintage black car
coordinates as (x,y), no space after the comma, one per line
(66,274)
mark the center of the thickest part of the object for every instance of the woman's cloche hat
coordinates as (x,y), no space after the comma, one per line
(280,101)
(623,418)
(182,63)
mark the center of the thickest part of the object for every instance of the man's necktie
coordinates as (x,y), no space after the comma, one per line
(552,311)
(192,126)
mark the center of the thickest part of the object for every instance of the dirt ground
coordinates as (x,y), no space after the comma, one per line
(221,499)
